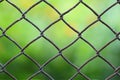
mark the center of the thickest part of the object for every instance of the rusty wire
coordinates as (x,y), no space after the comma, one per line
(61,18)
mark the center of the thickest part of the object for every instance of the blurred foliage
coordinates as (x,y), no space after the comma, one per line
(41,50)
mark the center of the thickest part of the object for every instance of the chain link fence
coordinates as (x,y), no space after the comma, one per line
(60,51)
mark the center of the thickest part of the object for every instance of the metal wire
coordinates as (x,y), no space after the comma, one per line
(60,51)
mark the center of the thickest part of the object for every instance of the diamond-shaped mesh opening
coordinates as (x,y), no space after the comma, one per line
(112,17)
(23,32)
(65,5)
(94,69)
(23,4)
(7,13)
(99,6)
(59,39)
(112,53)
(60,67)
(39,53)
(58,31)
(7,50)
(103,33)
(79,52)
(24,67)
(42,17)
(80,17)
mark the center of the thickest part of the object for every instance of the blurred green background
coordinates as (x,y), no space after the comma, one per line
(41,50)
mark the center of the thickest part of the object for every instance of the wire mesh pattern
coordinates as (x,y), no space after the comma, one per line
(60,51)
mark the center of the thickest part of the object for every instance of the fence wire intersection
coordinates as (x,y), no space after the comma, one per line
(42,35)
